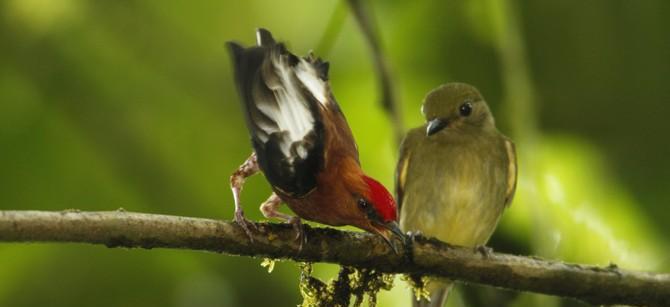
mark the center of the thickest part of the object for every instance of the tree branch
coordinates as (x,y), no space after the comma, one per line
(596,285)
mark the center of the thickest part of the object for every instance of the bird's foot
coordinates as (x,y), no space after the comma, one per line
(245,224)
(299,231)
(248,168)
(484,250)
(412,235)
(270,209)
(415,233)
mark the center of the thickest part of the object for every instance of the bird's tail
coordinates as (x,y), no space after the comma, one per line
(439,291)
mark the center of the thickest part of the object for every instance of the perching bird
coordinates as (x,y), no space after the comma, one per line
(303,144)
(456,174)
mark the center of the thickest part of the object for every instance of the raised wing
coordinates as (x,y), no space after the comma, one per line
(282,95)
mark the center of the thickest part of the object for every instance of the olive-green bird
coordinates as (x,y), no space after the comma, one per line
(456,174)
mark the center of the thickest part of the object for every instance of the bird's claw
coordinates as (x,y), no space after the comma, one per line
(245,224)
(484,250)
(300,231)
(412,235)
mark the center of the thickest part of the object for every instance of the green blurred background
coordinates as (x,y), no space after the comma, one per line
(108,104)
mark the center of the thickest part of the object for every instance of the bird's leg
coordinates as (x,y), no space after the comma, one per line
(484,250)
(248,168)
(299,230)
(270,209)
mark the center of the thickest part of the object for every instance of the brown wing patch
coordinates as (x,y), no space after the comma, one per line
(403,164)
(401,176)
(511,171)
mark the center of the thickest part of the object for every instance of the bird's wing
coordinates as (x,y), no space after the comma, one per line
(512,171)
(406,149)
(283,97)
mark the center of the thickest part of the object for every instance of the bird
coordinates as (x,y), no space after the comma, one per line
(303,145)
(455,175)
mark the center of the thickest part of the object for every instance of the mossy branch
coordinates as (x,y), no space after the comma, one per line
(592,284)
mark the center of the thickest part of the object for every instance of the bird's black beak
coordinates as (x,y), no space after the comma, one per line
(395,229)
(436,125)
(389,231)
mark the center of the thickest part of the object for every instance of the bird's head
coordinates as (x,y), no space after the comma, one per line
(375,210)
(457,106)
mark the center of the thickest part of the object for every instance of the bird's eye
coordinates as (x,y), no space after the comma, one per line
(465,109)
(362,203)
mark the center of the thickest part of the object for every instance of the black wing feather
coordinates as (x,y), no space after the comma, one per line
(293,171)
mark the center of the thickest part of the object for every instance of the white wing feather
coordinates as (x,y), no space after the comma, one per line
(291,112)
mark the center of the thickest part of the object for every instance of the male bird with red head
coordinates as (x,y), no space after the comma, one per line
(303,144)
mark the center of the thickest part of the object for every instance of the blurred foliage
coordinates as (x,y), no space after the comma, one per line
(131,104)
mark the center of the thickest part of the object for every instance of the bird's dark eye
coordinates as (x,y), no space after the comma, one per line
(362,203)
(465,109)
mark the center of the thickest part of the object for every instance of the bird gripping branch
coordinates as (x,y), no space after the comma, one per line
(456,174)
(303,144)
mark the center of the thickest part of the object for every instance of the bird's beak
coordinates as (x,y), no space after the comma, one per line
(390,230)
(436,125)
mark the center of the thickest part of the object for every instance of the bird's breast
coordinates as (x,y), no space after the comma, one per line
(454,193)
(318,206)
